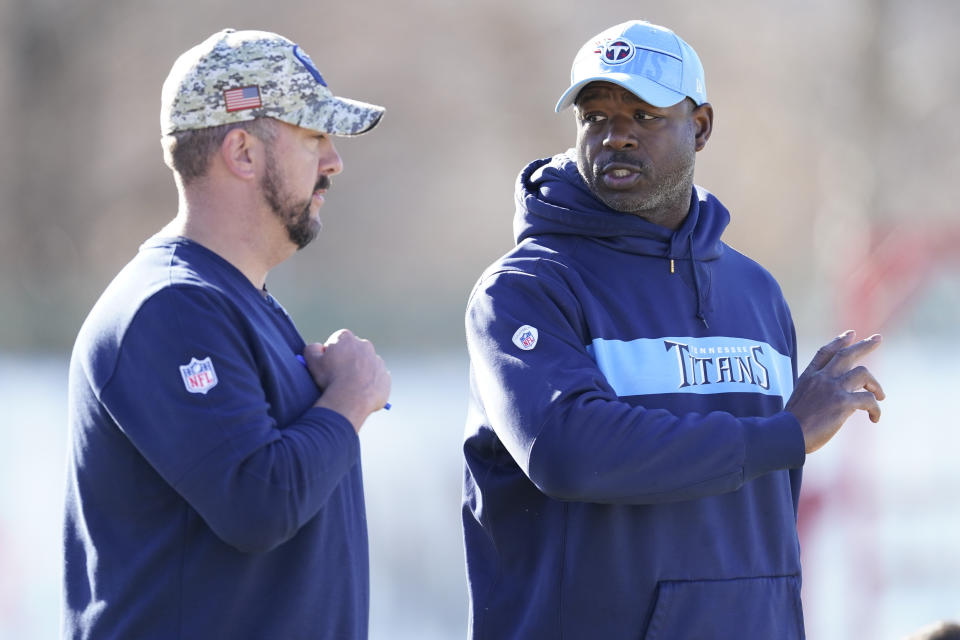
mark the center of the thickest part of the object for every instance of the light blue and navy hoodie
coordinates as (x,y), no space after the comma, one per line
(630,471)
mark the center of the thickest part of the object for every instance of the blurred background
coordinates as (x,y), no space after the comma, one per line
(835,148)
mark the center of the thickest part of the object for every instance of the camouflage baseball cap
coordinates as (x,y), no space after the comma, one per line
(234,76)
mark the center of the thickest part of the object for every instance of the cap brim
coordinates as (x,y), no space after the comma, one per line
(343,117)
(647,90)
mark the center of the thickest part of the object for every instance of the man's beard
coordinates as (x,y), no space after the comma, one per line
(293,213)
(673,186)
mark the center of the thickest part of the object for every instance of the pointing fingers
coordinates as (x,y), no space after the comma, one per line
(833,387)
(826,353)
(845,358)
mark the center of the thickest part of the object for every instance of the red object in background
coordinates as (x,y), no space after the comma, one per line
(894,274)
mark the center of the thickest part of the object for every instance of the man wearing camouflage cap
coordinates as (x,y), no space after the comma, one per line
(214,486)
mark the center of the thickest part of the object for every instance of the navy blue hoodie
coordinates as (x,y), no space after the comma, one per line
(206,496)
(630,471)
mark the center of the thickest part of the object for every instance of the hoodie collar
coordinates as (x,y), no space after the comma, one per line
(552,198)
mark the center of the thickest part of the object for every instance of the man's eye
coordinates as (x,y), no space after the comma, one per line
(643,115)
(594,117)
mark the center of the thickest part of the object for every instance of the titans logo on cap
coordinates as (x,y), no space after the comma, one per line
(617,51)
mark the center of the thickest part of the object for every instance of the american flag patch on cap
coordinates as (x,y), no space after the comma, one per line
(242,98)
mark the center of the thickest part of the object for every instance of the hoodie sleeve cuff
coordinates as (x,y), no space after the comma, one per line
(772,443)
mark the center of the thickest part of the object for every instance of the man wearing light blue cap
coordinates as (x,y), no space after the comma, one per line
(637,428)
(650,61)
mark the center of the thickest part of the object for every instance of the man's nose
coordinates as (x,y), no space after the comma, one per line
(621,134)
(330,162)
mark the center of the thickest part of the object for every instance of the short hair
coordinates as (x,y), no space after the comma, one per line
(188,152)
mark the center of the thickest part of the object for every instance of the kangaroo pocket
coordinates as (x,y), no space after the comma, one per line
(746,608)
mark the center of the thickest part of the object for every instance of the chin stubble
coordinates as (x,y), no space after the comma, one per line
(295,215)
(672,190)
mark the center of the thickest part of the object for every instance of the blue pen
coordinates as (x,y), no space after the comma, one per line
(303,361)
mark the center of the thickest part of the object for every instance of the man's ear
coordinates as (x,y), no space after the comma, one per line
(240,152)
(702,117)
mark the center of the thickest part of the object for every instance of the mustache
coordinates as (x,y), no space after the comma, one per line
(323,182)
(621,158)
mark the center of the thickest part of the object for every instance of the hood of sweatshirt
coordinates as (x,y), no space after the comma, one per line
(552,198)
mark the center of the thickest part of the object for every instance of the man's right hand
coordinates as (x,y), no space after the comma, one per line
(832,388)
(354,379)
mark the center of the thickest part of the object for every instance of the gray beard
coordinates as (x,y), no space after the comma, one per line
(672,191)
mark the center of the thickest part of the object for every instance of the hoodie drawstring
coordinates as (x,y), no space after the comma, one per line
(696,276)
(696,284)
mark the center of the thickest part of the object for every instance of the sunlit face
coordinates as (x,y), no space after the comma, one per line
(636,158)
(299,164)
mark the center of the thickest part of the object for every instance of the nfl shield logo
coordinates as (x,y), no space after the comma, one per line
(526,337)
(199,376)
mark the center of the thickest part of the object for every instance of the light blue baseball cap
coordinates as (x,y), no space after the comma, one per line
(650,61)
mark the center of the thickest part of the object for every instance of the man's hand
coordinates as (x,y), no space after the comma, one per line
(832,388)
(354,379)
